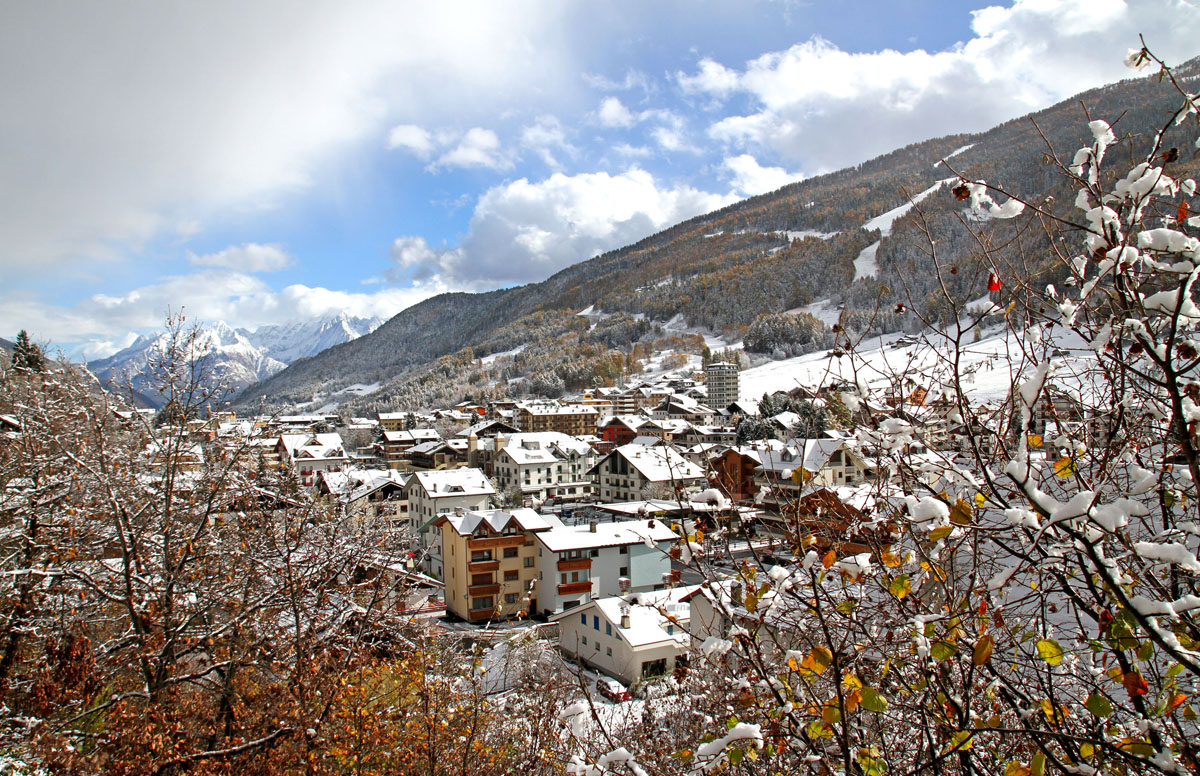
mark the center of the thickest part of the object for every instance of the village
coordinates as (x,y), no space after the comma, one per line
(613,520)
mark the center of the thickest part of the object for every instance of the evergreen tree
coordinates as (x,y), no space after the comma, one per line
(27,355)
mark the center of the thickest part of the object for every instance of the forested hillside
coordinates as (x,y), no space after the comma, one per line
(723,270)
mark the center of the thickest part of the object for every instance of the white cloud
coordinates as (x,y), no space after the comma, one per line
(545,136)
(103,323)
(713,79)
(750,178)
(251,257)
(634,79)
(416,139)
(523,232)
(479,147)
(612,113)
(128,120)
(828,108)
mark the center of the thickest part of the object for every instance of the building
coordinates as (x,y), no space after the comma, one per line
(310,454)
(431,494)
(490,559)
(572,419)
(543,465)
(632,472)
(630,638)
(575,563)
(722,380)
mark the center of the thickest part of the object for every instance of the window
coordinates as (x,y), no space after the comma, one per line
(608,651)
(583,619)
(623,571)
(585,641)
(607,628)
(510,575)
(484,602)
(595,553)
(481,579)
(595,622)
(624,549)
(510,552)
(511,598)
(529,563)
(479,555)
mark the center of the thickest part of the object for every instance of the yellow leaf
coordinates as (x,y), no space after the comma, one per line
(1064,467)
(983,650)
(980,500)
(1035,440)
(960,513)
(892,560)
(829,559)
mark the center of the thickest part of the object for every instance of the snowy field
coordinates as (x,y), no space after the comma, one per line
(989,366)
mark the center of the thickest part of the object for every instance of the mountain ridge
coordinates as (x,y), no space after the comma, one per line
(723,269)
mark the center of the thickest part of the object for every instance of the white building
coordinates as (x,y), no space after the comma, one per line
(576,563)
(545,464)
(633,472)
(722,380)
(310,454)
(432,493)
(631,637)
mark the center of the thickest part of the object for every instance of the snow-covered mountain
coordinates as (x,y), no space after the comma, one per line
(291,341)
(235,358)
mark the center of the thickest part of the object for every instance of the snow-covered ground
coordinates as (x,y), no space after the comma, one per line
(824,311)
(678,326)
(883,222)
(491,357)
(865,265)
(990,366)
(954,153)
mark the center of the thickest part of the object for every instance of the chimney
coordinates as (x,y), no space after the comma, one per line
(625,621)
(499,442)
(623,584)
(668,579)
(458,511)
(592,526)
(472,443)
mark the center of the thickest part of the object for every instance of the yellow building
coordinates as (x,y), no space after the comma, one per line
(490,562)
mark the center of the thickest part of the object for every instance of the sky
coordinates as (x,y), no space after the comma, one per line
(262,162)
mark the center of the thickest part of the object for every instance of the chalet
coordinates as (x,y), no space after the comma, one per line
(308,454)
(631,472)
(631,637)
(437,454)
(543,465)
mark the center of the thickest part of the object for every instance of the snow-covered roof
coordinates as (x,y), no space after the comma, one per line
(454,482)
(498,520)
(811,454)
(659,464)
(651,615)
(312,446)
(606,535)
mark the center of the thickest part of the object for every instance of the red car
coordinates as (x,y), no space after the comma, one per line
(612,689)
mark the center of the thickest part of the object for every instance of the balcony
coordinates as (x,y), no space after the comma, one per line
(480,566)
(495,541)
(476,591)
(574,588)
(575,565)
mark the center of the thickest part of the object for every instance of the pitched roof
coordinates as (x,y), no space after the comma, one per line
(624,532)
(453,482)
(498,520)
